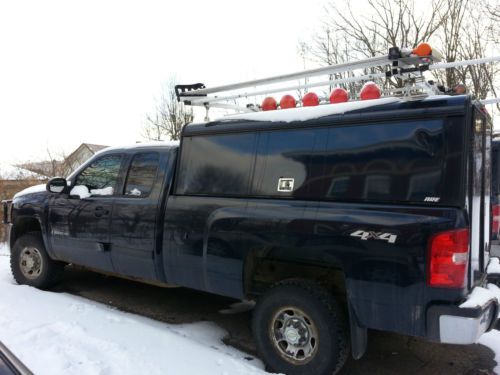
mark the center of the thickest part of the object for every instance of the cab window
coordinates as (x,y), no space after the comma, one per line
(100,177)
(142,174)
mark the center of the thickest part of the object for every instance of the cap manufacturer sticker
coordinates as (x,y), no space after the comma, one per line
(285,184)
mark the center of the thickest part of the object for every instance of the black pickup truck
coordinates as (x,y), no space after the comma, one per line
(372,216)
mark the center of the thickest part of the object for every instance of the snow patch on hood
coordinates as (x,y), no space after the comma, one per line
(31,190)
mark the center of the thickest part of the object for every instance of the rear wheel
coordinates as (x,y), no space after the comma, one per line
(30,263)
(299,329)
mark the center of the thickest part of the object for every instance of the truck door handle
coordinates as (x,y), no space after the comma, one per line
(100,211)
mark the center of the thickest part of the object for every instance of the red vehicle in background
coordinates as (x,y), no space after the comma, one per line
(495,188)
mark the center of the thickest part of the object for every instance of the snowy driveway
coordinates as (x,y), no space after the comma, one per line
(58,333)
(172,331)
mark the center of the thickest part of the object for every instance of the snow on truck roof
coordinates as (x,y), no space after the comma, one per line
(309,113)
(300,114)
(149,144)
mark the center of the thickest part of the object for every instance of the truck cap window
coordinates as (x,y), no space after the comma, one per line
(217,165)
(141,174)
(415,161)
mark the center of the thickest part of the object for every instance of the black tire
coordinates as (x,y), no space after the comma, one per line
(303,311)
(31,265)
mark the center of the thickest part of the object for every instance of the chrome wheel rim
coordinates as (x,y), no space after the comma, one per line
(31,263)
(294,335)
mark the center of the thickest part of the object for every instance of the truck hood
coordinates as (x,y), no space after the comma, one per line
(31,190)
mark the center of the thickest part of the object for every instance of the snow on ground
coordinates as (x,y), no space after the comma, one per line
(494,265)
(12,172)
(57,333)
(492,340)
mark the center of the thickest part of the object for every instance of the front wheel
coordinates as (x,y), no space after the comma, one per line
(30,263)
(299,328)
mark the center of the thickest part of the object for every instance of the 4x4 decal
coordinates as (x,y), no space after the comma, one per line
(389,237)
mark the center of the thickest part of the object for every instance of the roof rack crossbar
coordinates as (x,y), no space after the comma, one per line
(399,63)
(331,69)
(490,101)
(454,64)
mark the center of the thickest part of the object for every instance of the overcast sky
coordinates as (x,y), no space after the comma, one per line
(88,71)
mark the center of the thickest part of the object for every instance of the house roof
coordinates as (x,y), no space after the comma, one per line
(91,147)
(46,168)
(94,148)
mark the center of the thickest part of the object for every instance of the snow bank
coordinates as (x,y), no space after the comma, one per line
(31,189)
(492,340)
(493,265)
(13,172)
(479,296)
(54,333)
(4,249)
(309,113)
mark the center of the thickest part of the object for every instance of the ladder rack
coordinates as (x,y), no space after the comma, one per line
(404,64)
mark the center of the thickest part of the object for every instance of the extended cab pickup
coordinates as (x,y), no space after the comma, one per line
(373,216)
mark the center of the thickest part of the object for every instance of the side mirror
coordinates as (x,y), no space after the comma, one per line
(57,185)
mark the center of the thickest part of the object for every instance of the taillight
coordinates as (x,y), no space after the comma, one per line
(448,258)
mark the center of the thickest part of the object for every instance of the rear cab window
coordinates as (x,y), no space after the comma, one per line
(141,174)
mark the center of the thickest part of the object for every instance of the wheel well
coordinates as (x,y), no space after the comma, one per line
(261,273)
(23,226)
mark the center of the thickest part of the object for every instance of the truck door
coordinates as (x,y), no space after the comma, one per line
(136,212)
(79,227)
(479,194)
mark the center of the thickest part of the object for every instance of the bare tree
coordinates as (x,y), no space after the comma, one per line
(53,165)
(463,29)
(468,32)
(169,116)
(347,35)
(494,10)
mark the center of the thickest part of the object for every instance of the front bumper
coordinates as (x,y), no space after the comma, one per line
(454,325)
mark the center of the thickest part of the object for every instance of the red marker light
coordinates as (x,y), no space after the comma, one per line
(269,104)
(370,91)
(339,96)
(287,101)
(423,49)
(310,100)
